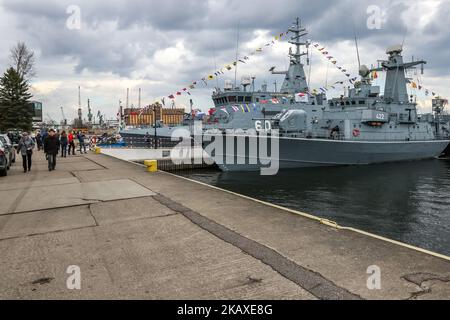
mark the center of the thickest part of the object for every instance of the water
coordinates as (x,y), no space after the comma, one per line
(408,202)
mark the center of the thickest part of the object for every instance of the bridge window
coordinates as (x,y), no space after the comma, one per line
(240,99)
(362,102)
(231,98)
(248,99)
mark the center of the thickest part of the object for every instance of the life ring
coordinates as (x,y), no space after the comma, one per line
(356,132)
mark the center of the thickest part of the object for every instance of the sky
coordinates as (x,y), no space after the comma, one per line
(163,46)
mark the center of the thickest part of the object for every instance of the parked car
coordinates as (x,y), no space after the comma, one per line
(7,143)
(4,160)
(14,135)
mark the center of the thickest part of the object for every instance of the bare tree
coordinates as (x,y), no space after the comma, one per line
(23,60)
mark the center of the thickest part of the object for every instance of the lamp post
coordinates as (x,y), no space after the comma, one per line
(155,141)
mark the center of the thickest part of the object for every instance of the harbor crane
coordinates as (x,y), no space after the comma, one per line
(90,115)
(52,122)
(64,119)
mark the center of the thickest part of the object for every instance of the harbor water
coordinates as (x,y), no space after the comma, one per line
(408,202)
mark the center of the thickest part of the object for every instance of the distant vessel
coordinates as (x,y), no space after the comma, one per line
(363,127)
(441,121)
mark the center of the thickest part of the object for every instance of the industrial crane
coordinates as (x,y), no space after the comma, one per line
(64,119)
(52,122)
(89,112)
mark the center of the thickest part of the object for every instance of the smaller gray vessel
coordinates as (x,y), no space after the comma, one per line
(440,120)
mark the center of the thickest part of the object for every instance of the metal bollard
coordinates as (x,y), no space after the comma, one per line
(152,165)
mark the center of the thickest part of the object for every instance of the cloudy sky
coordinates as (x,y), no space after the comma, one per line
(162,46)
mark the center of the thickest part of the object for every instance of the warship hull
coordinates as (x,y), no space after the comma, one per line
(446,152)
(301,152)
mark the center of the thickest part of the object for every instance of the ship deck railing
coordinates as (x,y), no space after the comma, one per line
(150,142)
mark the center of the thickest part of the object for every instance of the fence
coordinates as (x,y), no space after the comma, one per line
(151,142)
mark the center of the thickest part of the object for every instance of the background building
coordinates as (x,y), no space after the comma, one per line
(37,111)
(146,116)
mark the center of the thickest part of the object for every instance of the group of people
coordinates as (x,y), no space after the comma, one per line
(52,142)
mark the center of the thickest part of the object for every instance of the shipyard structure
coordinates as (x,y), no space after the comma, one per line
(152,114)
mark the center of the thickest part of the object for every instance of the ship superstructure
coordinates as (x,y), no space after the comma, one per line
(237,107)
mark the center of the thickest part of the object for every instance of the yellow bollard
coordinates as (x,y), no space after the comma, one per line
(98,150)
(152,165)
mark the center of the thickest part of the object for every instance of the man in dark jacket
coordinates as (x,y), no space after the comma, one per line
(51,148)
(39,141)
(81,137)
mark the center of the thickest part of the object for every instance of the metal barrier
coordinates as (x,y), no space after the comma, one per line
(144,143)
(170,166)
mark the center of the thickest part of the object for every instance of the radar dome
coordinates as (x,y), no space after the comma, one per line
(364,71)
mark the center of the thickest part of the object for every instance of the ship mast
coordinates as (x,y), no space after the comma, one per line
(395,85)
(298,32)
(295,79)
(79,104)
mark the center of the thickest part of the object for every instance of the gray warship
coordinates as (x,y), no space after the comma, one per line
(360,128)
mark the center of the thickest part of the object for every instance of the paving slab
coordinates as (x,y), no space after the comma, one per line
(56,196)
(113,190)
(40,222)
(9,200)
(126,210)
(16,175)
(104,174)
(72,166)
(39,183)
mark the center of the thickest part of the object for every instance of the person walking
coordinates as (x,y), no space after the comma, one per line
(147,140)
(39,141)
(63,140)
(51,149)
(71,143)
(81,137)
(43,135)
(25,147)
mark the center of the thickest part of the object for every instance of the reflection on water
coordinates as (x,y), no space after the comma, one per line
(409,201)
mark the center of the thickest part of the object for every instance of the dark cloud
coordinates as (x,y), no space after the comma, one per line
(116,33)
(122,37)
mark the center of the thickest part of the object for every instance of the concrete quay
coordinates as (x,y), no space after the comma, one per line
(140,235)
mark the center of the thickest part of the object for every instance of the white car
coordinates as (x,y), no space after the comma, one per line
(4,160)
(9,145)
